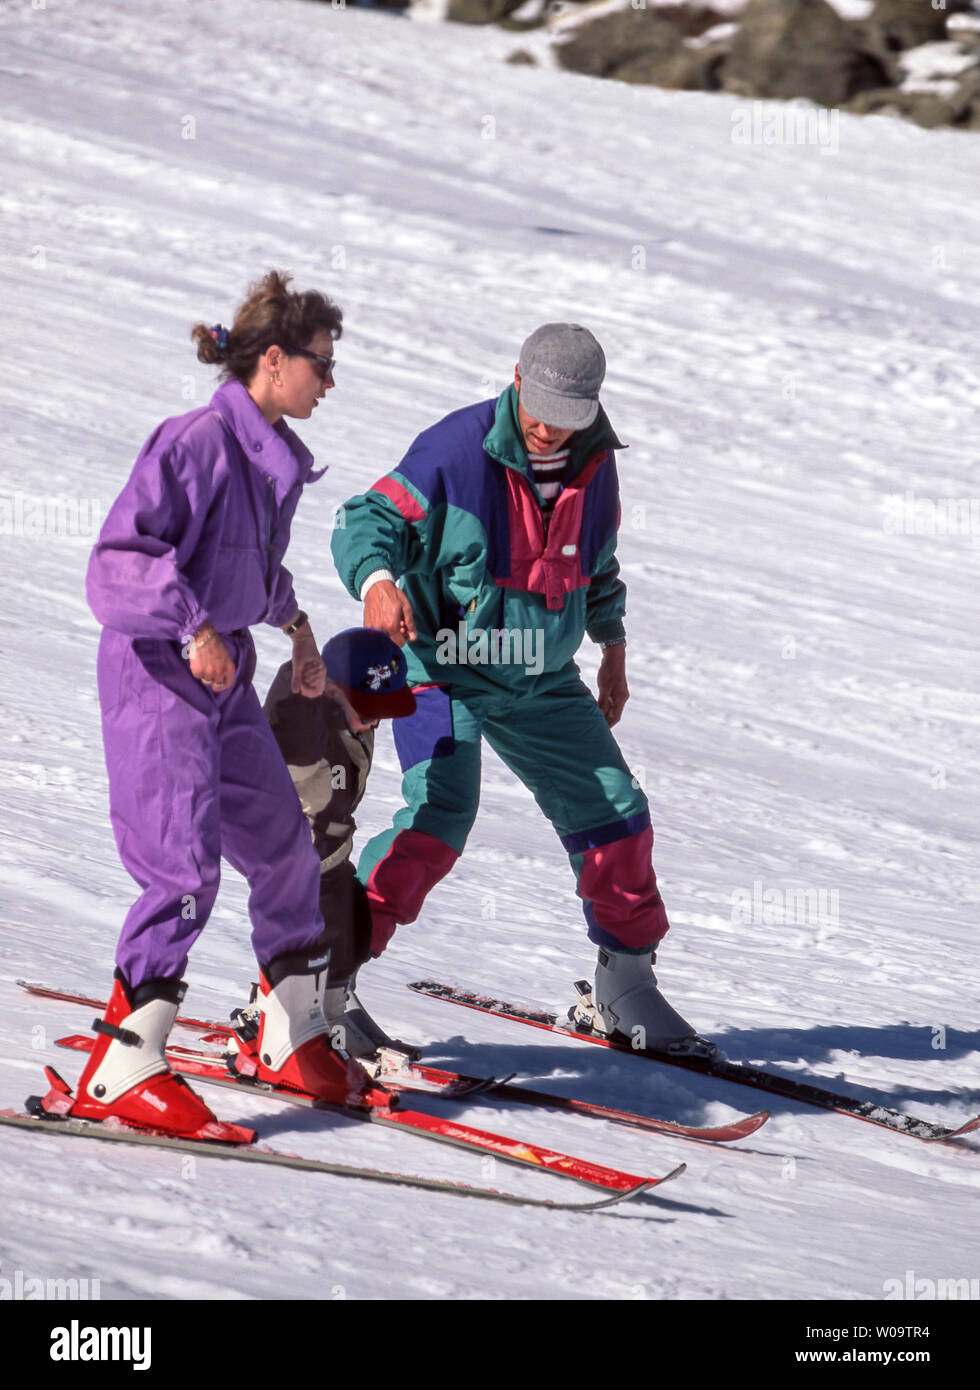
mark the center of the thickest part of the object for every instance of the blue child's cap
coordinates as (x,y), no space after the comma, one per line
(370,669)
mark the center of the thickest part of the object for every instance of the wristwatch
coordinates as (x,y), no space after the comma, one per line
(298,622)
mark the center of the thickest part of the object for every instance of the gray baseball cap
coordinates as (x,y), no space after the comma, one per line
(561,368)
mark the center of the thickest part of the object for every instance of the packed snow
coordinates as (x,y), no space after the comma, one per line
(788,307)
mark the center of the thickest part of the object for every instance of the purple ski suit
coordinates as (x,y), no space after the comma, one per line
(199,532)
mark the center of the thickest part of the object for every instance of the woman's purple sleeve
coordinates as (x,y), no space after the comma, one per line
(136,582)
(282,601)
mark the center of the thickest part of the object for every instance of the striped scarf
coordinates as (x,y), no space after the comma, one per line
(549,476)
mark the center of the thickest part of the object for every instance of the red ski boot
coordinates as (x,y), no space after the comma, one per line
(293,1044)
(128,1078)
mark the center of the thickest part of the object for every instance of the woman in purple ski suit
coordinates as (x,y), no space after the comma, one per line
(190,556)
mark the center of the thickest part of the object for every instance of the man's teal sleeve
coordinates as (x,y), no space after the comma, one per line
(605,603)
(371,533)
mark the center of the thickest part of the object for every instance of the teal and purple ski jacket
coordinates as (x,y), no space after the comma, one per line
(459,523)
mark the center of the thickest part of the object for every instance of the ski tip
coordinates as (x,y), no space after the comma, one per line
(752,1122)
(674,1173)
(726,1133)
(637,1190)
(626,1195)
(968,1128)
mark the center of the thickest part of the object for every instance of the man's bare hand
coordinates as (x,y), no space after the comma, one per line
(387,608)
(613,690)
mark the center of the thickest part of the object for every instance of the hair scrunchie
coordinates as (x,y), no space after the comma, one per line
(220,335)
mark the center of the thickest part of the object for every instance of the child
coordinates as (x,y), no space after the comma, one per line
(328,745)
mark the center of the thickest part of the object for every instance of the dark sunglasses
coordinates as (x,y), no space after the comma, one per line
(323,365)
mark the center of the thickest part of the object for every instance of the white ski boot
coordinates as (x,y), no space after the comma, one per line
(283,1037)
(353,1029)
(626,1004)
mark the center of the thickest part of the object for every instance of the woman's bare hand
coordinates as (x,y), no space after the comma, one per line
(210,660)
(309,672)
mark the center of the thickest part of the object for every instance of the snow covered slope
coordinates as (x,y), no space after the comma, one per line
(791,333)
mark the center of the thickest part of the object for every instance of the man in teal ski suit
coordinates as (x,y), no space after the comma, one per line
(500,526)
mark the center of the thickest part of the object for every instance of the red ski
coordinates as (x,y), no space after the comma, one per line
(214,1071)
(450,1085)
